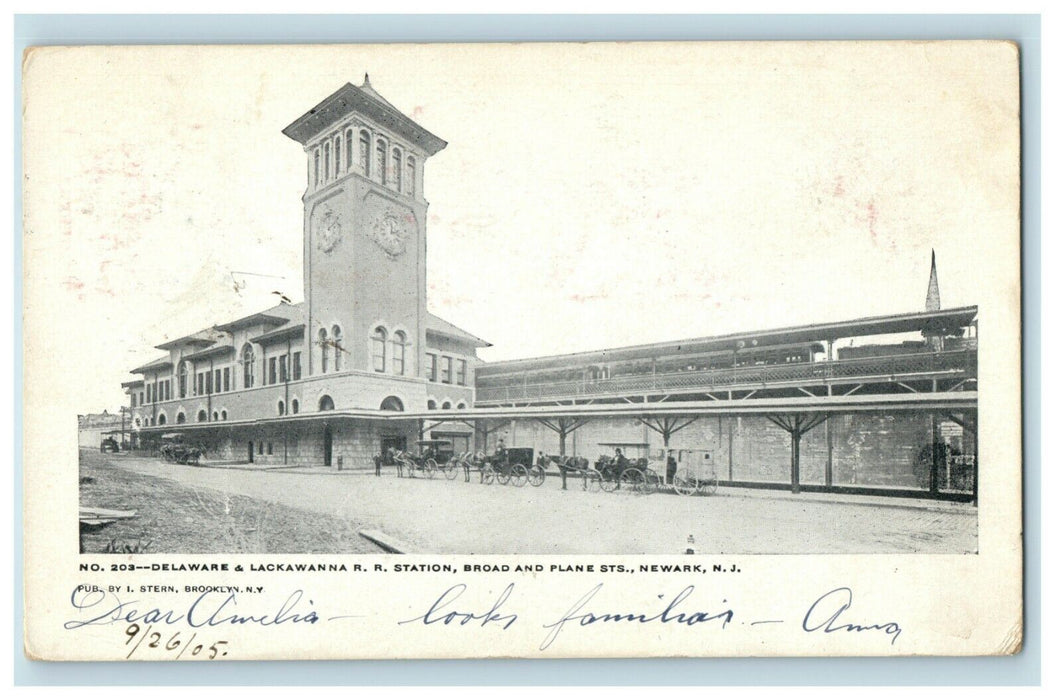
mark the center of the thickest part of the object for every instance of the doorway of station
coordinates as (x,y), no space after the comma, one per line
(328,446)
(250,452)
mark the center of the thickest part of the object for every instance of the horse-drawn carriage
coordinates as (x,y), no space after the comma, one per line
(623,473)
(175,450)
(513,465)
(695,472)
(435,456)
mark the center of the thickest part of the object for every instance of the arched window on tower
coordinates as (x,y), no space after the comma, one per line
(349,153)
(247,359)
(381,161)
(337,344)
(363,153)
(398,353)
(411,174)
(327,160)
(396,168)
(322,340)
(337,150)
(379,349)
(316,167)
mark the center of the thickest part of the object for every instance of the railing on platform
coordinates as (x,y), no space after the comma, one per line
(957,363)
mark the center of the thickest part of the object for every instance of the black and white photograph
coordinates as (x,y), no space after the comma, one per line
(657,303)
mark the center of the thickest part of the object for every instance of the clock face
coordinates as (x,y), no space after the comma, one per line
(326,228)
(391,233)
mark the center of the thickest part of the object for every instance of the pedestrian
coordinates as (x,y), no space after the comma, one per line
(377,460)
(672,467)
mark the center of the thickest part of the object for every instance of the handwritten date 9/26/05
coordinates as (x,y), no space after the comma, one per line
(829,613)
(176,645)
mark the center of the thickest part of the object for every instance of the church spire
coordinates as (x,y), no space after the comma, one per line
(933,293)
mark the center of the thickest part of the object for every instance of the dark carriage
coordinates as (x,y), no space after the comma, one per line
(512,465)
(435,456)
(175,450)
(620,472)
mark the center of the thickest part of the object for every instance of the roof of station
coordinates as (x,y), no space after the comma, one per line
(860,327)
(950,400)
(364,100)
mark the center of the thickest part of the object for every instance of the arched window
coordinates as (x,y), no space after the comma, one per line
(247,359)
(322,340)
(180,417)
(215,415)
(349,153)
(162,419)
(338,149)
(446,405)
(461,405)
(224,414)
(316,167)
(392,403)
(396,168)
(381,161)
(182,380)
(337,343)
(327,161)
(398,352)
(153,420)
(280,408)
(294,405)
(136,422)
(411,175)
(379,349)
(363,152)
(201,416)
(432,405)
(326,403)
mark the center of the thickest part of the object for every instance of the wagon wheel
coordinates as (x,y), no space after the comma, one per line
(609,482)
(710,485)
(684,483)
(652,481)
(536,475)
(501,476)
(594,480)
(519,475)
(449,469)
(633,480)
(430,465)
(486,474)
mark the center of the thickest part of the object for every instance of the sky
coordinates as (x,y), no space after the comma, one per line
(590,196)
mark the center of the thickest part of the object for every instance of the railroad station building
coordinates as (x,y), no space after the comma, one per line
(885,404)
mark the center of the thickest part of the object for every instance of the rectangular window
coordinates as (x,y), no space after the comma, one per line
(217,380)
(447,370)
(433,367)
(168,394)
(272,370)
(132,400)
(225,378)
(199,385)
(297,366)
(141,398)
(269,448)
(283,368)
(462,365)
(209,382)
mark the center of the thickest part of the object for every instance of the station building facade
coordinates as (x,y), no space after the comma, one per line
(305,382)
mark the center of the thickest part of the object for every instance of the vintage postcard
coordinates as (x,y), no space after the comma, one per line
(527,350)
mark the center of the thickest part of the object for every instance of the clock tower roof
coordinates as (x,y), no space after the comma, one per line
(363,100)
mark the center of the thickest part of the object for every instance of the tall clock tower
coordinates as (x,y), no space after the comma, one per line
(364,232)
